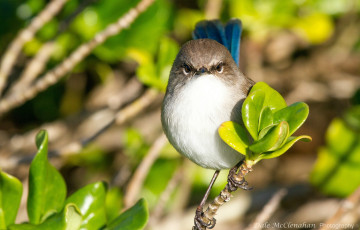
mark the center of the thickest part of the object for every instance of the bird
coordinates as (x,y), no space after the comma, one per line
(205,89)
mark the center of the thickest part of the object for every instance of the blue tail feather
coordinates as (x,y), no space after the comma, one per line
(233,31)
(228,35)
(213,29)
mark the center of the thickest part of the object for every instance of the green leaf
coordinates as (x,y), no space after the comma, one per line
(266,118)
(91,202)
(273,99)
(134,218)
(47,189)
(255,110)
(68,219)
(251,110)
(10,197)
(274,139)
(235,136)
(289,142)
(295,115)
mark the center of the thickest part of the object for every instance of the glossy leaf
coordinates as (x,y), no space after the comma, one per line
(10,197)
(251,111)
(68,219)
(91,202)
(290,142)
(273,99)
(47,189)
(255,110)
(266,118)
(235,136)
(295,115)
(135,218)
(276,136)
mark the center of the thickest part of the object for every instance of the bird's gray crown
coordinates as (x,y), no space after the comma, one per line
(204,53)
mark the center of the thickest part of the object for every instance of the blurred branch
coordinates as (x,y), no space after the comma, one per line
(142,170)
(213,9)
(79,54)
(268,210)
(34,68)
(37,64)
(120,117)
(349,206)
(9,58)
(165,195)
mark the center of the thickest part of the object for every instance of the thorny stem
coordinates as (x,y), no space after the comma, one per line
(224,196)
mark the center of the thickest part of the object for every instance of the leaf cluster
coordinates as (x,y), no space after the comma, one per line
(48,207)
(268,125)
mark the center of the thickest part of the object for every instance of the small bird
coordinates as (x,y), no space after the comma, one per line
(205,89)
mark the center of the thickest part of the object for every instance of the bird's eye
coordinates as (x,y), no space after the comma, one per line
(220,67)
(186,69)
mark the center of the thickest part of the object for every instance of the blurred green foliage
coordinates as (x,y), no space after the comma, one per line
(150,39)
(311,19)
(337,169)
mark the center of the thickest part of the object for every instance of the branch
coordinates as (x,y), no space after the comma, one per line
(142,170)
(165,195)
(120,118)
(24,36)
(33,69)
(80,53)
(268,210)
(37,64)
(349,205)
(224,196)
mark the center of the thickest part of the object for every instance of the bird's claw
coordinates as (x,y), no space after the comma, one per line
(200,223)
(236,180)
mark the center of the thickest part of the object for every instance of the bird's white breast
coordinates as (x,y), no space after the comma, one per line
(192,118)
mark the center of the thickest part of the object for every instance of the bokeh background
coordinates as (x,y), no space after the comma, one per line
(103,116)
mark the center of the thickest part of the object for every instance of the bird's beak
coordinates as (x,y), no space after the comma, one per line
(202,71)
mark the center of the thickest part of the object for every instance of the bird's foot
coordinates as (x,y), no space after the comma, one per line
(236,178)
(200,223)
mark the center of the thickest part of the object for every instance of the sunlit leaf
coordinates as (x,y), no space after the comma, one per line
(91,202)
(274,138)
(47,189)
(290,142)
(295,115)
(235,136)
(258,106)
(266,118)
(251,110)
(273,99)
(135,218)
(10,197)
(68,219)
